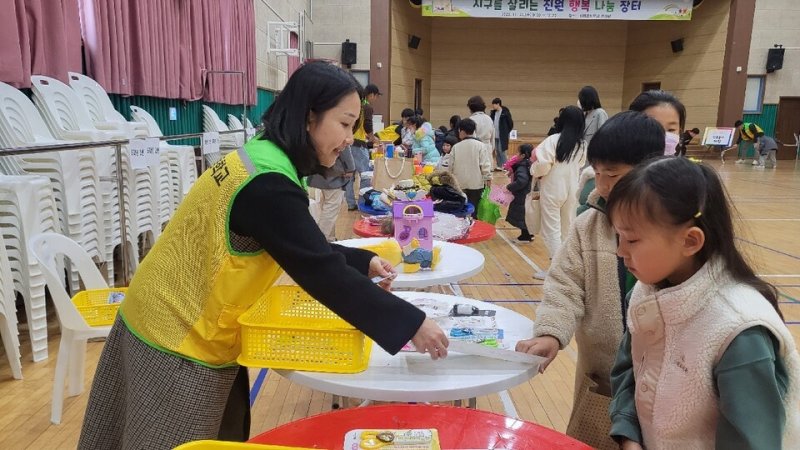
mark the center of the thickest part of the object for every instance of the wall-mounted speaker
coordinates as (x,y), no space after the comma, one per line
(775,59)
(349,52)
(677,45)
(413,41)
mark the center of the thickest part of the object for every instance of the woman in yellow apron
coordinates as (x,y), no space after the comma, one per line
(168,371)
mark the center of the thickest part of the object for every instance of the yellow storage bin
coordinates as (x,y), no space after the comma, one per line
(213,445)
(288,329)
(99,306)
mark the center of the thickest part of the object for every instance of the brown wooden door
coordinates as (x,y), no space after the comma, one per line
(787,124)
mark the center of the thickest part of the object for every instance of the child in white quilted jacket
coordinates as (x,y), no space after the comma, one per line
(707,361)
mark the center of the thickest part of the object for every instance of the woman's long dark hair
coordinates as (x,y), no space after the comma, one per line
(572,123)
(589,98)
(316,86)
(678,191)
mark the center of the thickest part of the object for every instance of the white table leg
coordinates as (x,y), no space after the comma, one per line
(508,405)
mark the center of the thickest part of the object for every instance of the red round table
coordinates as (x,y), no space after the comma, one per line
(459,428)
(480,231)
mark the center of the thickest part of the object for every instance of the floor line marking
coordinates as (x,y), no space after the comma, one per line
(522,255)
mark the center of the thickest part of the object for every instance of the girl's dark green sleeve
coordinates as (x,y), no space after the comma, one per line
(751,381)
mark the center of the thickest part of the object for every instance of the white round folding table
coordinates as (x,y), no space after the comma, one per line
(458,262)
(415,377)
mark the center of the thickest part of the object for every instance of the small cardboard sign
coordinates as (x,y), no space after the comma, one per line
(144,153)
(210,143)
(718,136)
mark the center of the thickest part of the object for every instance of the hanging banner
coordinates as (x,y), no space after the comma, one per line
(561,9)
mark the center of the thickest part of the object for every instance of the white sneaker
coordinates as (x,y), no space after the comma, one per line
(541,275)
(755,162)
(740,161)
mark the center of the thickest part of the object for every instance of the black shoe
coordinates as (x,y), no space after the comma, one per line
(352,208)
(525,238)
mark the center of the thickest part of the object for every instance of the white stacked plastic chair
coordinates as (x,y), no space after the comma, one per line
(152,216)
(102,111)
(67,117)
(72,173)
(234,123)
(8,315)
(48,249)
(27,207)
(181,157)
(248,124)
(227,142)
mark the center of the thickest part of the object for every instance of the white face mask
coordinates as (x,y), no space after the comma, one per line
(671,141)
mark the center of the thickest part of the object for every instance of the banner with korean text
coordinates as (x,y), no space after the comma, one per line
(561,9)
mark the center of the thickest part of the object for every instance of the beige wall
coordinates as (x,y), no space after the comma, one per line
(777,22)
(271,68)
(534,66)
(695,74)
(337,20)
(409,64)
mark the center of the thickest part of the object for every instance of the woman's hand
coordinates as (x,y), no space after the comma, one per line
(379,267)
(431,339)
(545,346)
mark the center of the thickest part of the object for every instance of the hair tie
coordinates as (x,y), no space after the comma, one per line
(697,216)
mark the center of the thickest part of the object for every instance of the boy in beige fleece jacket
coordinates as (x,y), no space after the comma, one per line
(584,289)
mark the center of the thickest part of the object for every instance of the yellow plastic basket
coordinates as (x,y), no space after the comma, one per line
(213,445)
(95,307)
(288,329)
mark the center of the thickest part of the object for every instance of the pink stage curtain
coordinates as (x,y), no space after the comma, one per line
(163,48)
(40,37)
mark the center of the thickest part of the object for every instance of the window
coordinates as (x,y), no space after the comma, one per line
(651,86)
(362,76)
(418,94)
(754,94)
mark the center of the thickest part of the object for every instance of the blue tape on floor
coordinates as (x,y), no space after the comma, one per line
(262,375)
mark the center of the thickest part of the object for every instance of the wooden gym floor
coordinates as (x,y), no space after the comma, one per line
(768,202)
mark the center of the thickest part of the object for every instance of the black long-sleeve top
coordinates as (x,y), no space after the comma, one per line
(273,210)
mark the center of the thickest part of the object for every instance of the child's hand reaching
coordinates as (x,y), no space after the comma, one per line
(545,346)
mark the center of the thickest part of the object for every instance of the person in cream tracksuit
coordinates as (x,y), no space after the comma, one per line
(559,158)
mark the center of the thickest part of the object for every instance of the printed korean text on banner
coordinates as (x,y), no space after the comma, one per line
(718,136)
(562,9)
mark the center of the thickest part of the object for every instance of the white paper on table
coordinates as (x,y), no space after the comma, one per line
(469,348)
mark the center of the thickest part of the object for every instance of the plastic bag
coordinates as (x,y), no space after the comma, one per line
(500,195)
(488,211)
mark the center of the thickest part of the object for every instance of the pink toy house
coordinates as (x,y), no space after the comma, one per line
(413,219)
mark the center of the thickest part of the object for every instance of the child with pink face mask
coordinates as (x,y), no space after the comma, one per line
(667,110)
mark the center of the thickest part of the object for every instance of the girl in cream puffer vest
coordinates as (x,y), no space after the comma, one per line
(707,361)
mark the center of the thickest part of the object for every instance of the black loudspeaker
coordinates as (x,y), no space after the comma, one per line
(775,59)
(348,53)
(677,45)
(413,41)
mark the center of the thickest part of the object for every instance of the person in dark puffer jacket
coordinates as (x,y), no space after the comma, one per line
(520,187)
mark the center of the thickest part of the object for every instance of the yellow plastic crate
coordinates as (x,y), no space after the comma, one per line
(213,445)
(288,329)
(94,306)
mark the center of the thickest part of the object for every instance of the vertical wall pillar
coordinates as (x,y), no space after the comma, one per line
(380,53)
(737,52)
